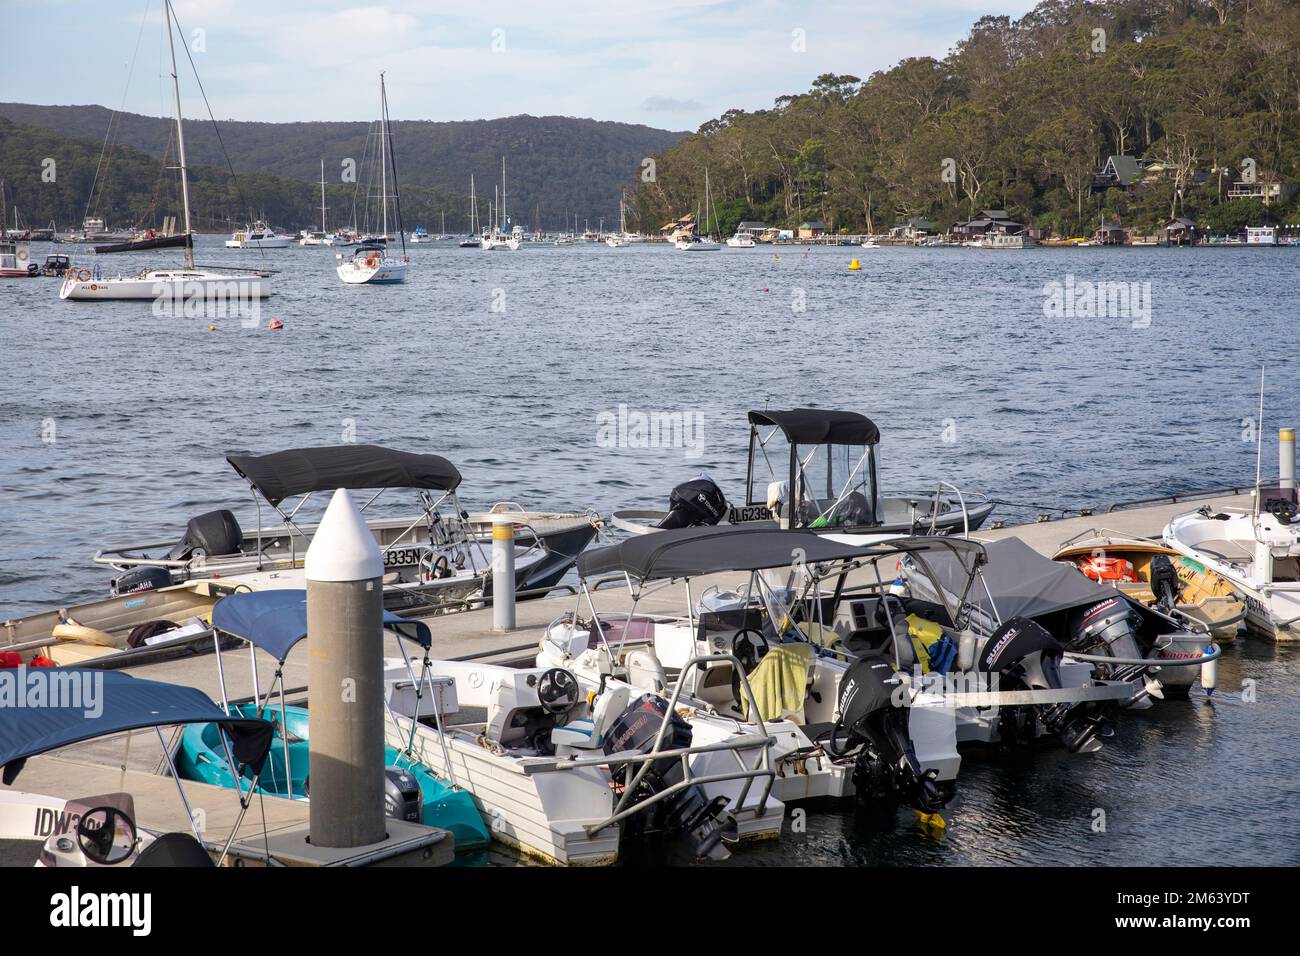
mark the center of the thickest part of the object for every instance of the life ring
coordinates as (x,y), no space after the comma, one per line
(82,275)
(22,255)
(72,631)
(372,263)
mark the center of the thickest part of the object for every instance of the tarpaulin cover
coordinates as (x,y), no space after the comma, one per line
(298,471)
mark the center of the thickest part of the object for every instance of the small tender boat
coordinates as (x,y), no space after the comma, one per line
(257,236)
(870,244)
(421,235)
(100,830)
(55,265)
(438,560)
(1156,575)
(276,622)
(1257,551)
(831,465)
(128,627)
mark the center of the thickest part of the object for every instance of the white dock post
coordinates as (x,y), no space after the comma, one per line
(345,608)
(1286,457)
(503,573)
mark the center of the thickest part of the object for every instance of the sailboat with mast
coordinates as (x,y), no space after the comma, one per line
(322,238)
(620,238)
(190,281)
(501,236)
(372,263)
(692,241)
(473,240)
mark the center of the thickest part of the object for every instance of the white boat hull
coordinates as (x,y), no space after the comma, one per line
(179,285)
(385,271)
(276,242)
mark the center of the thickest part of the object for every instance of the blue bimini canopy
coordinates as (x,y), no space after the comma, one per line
(277,620)
(77,704)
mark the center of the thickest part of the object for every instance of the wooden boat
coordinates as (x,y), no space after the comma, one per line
(146,241)
(1124,562)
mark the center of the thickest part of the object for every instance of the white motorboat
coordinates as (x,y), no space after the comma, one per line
(191,290)
(781,636)
(741,240)
(871,244)
(564,776)
(16,260)
(438,560)
(695,244)
(829,459)
(257,236)
(373,263)
(1257,551)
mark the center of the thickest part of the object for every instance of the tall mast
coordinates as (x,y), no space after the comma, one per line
(503,194)
(473,201)
(383,155)
(180,136)
(323,227)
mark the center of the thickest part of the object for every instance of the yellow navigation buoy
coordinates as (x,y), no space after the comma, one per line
(931,820)
(854,265)
(212,328)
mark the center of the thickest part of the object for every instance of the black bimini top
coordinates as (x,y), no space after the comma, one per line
(820,426)
(691,552)
(298,471)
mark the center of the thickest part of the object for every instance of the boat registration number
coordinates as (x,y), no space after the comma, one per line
(749,513)
(401,557)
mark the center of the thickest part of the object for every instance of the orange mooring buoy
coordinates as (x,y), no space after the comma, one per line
(275,324)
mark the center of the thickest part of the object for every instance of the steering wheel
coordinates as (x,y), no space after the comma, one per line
(748,646)
(433,568)
(557,690)
(106,835)
(1285,511)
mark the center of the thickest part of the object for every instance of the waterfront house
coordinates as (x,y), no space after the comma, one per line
(988,222)
(811,229)
(1120,172)
(915,229)
(1266,191)
(682,226)
(1261,235)
(1179,231)
(1110,235)
(752,228)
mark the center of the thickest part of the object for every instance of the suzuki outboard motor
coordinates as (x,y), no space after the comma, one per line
(140,579)
(873,725)
(695,503)
(216,532)
(705,823)
(1025,657)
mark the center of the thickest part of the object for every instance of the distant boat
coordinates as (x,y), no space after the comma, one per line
(692,241)
(257,236)
(421,235)
(498,238)
(146,240)
(741,240)
(871,244)
(321,238)
(156,284)
(372,264)
(16,260)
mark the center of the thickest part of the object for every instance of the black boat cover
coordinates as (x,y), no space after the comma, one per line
(277,620)
(820,426)
(298,471)
(82,704)
(691,552)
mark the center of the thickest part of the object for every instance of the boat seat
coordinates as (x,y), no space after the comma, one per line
(588,733)
(1226,550)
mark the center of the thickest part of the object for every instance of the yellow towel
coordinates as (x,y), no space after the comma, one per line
(780,681)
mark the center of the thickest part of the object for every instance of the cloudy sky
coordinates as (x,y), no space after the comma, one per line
(666,63)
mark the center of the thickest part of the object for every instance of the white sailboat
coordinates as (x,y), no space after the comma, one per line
(692,241)
(188,283)
(501,237)
(371,263)
(473,240)
(322,238)
(620,239)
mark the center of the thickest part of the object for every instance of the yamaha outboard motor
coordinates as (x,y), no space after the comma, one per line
(695,503)
(872,724)
(216,532)
(403,799)
(140,579)
(705,823)
(1025,657)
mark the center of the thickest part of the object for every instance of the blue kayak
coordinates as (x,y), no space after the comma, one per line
(202,757)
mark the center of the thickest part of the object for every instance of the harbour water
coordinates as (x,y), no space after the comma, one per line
(115,424)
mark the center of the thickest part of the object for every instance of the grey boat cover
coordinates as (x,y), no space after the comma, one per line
(691,552)
(820,426)
(298,471)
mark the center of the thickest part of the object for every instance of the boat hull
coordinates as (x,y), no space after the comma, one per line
(178,286)
(386,272)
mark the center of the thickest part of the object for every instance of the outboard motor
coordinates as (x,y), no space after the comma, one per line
(216,532)
(1107,627)
(1025,657)
(1165,583)
(140,579)
(705,823)
(403,799)
(872,724)
(695,503)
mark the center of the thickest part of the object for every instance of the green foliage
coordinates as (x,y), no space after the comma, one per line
(555,164)
(1023,114)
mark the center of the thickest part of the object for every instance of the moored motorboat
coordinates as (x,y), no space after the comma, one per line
(438,560)
(257,236)
(830,459)
(1154,574)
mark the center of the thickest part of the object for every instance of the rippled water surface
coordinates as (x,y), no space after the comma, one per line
(114,425)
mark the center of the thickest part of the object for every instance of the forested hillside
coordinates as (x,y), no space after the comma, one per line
(1021,115)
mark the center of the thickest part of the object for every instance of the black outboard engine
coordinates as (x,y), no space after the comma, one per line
(140,579)
(216,532)
(403,799)
(695,503)
(872,724)
(1025,657)
(1165,583)
(1107,627)
(705,823)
